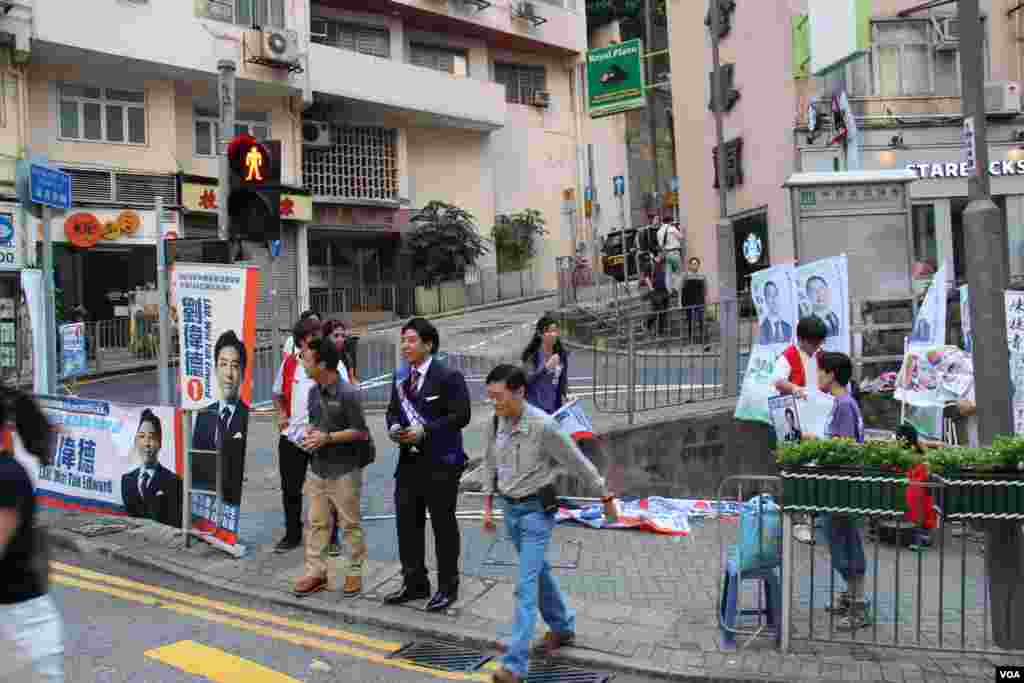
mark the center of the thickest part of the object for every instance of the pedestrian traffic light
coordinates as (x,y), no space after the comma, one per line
(254,200)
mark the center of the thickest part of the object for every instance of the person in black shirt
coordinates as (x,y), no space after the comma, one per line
(32,643)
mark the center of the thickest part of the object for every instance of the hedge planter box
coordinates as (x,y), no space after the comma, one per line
(856,490)
(971,494)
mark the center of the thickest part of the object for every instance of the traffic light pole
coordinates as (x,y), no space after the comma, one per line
(226,97)
(987,277)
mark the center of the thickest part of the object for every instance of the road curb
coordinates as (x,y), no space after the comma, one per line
(379,327)
(61,538)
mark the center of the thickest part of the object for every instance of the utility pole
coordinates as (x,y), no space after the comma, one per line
(227,68)
(49,306)
(652,123)
(987,277)
(728,314)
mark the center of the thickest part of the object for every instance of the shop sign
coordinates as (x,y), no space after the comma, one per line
(200,198)
(963,170)
(85,230)
(615,78)
(9,258)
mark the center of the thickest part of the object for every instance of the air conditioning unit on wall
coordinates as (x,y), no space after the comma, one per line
(316,134)
(1002,98)
(273,48)
(541,98)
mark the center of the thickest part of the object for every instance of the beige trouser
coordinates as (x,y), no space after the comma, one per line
(344,493)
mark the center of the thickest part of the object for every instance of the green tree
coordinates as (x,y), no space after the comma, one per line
(444,242)
(515,238)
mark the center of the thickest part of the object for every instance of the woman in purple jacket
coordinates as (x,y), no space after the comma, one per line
(545,362)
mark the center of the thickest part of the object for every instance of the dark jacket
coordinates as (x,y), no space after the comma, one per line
(162,499)
(204,438)
(768,335)
(443,402)
(537,373)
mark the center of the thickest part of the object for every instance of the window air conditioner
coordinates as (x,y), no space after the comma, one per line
(316,134)
(1002,98)
(273,48)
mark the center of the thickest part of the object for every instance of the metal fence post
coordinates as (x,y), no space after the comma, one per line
(631,390)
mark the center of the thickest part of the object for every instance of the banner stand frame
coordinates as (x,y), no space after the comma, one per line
(237,550)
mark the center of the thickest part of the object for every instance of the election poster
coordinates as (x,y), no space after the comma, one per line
(926,359)
(216,311)
(821,289)
(73,361)
(111,458)
(965,320)
(785,413)
(775,305)
(1015,342)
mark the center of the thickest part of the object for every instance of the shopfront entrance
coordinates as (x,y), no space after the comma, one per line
(750,232)
(352,271)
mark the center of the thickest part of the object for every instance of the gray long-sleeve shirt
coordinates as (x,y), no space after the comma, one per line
(522,458)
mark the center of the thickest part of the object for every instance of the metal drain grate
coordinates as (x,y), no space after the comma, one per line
(442,656)
(563,673)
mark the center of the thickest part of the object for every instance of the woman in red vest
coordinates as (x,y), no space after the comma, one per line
(800,361)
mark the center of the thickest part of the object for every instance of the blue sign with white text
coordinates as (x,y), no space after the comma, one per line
(619,182)
(50,186)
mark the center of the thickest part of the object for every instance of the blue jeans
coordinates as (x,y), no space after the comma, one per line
(846,544)
(529,528)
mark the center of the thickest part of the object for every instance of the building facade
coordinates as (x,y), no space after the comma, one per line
(904,92)
(378,110)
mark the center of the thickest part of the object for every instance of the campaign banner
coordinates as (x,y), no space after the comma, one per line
(1015,342)
(111,458)
(216,312)
(32,287)
(73,360)
(775,303)
(822,290)
(668,516)
(965,320)
(926,358)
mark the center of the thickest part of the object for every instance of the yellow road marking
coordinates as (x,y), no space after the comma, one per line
(386,646)
(266,631)
(216,665)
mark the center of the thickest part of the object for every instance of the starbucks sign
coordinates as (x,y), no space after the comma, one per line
(752,248)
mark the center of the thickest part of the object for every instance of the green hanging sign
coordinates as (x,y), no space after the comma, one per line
(615,78)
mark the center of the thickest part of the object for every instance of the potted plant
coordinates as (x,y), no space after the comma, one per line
(840,475)
(982,482)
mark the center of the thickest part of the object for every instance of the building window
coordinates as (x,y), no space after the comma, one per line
(102,114)
(256,124)
(520,82)
(365,39)
(912,57)
(363,164)
(443,59)
(263,13)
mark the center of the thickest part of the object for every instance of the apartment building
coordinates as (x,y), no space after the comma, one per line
(905,93)
(379,108)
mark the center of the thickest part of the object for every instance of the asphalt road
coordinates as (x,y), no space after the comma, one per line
(131,624)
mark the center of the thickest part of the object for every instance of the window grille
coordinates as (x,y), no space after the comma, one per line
(365,39)
(362,164)
(520,82)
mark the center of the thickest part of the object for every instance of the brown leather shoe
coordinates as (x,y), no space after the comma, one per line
(552,642)
(353,586)
(505,676)
(308,585)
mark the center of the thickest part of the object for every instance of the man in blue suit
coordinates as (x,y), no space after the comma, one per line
(429,408)
(774,330)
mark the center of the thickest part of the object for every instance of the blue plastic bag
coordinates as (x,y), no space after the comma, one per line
(760,545)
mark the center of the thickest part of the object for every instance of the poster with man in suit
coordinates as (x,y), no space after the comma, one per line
(217,329)
(822,290)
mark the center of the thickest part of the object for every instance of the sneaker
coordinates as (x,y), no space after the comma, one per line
(840,606)
(287,545)
(856,618)
(334,550)
(552,642)
(308,585)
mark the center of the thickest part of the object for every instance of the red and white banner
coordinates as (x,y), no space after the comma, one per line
(216,312)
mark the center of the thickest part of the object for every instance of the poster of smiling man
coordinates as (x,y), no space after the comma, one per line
(217,328)
(822,290)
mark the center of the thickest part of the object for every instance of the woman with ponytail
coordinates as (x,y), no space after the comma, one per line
(546,364)
(31,635)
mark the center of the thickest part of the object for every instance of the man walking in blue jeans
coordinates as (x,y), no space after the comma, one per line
(526,451)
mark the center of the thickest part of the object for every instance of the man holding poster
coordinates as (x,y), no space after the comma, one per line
(217,314)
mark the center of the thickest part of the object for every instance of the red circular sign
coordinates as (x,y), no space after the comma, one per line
(195,389)
(83,230)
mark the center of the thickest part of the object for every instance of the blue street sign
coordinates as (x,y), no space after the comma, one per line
(275,248)
(675,184)
(50,186)
(619,182)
